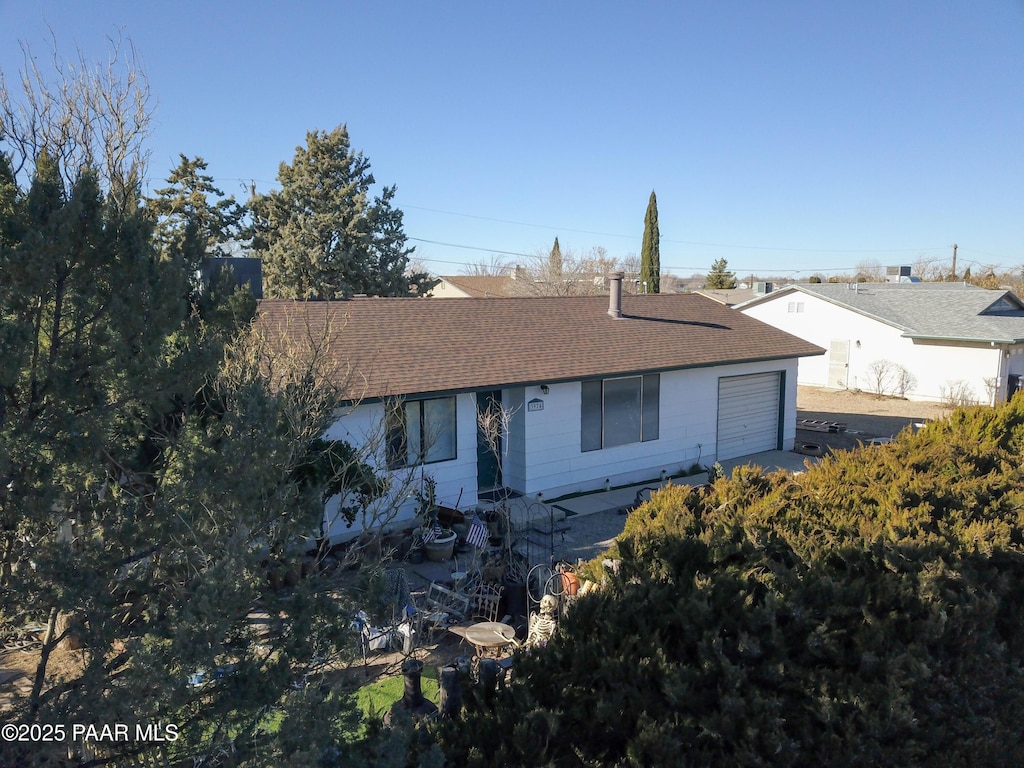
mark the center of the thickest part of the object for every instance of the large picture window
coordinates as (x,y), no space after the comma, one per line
(619,411)
(421,432)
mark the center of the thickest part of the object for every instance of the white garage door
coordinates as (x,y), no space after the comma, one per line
(748,414)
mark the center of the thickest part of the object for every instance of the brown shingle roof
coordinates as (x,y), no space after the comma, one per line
(413,346)
(481,286)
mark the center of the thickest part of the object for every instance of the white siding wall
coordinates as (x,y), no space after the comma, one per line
(555,465)
(364,426)
(940,368)
(935,366)
(543,447)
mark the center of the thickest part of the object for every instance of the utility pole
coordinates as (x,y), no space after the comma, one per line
(954,262)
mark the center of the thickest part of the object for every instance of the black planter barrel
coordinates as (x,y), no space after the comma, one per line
(413,701)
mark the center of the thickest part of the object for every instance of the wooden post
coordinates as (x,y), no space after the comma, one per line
(450,693)
(487,678)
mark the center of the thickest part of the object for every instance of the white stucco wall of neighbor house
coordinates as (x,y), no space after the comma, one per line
(870,355)
(554,463)
(456,478)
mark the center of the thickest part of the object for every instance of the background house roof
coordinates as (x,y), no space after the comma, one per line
(481,286)
(728,296)
(953,311)
(413,346)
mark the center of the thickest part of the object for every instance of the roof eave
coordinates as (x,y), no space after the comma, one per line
(566,380)
(968,339)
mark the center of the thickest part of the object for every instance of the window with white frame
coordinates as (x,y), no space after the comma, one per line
(619,411)
(420,432)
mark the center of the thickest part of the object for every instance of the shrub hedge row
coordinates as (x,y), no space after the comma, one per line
(867,612)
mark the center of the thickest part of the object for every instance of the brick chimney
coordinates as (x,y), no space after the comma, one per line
(615,294)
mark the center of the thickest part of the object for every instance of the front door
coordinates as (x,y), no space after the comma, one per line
(489,440)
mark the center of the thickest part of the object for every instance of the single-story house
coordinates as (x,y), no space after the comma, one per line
(923,341)
(597,390)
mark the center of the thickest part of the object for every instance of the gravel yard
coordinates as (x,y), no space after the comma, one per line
(865,415)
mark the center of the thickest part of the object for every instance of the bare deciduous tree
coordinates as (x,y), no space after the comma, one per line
(889,378)
(578,274)
(957,394)
(879,373)
(85,116)
(928,269)
(904,381)
(297,357)
(870,270)
(496,266)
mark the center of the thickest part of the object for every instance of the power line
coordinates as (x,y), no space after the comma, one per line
(669,269)
(635,238)
(469,247)
(620,236)
(665,240)
(737,270)
(520,223)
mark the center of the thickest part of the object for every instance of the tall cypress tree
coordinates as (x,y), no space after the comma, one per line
(555,260)
(650,250)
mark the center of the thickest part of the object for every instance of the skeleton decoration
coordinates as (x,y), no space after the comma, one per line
(543,624)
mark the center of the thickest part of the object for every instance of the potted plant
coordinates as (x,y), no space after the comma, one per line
(442,547)
(438,541)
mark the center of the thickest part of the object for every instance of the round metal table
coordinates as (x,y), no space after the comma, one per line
(490,636)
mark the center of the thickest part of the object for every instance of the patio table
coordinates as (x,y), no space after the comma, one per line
(490,636)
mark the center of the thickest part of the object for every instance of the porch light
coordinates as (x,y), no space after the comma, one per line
(544,388)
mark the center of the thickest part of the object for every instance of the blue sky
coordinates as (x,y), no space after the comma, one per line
(786,137)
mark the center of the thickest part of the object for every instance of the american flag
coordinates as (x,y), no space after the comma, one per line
(432,533)
(477,534)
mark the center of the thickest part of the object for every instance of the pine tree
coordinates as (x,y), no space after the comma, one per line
(720,277)
(321,236)
(150,475)
(193,221)
(148,470)
(650,249)
(194,218)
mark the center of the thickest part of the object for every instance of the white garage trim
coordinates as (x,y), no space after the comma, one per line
(748,414)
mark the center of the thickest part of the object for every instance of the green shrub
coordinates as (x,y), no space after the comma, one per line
(867,612)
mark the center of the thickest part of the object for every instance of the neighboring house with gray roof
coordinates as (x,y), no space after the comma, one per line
(594,399)
(924,341)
